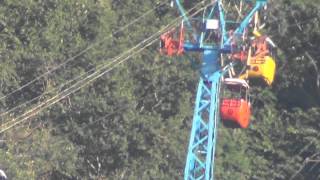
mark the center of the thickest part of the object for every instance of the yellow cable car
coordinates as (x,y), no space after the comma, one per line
(260,64)
(262,67)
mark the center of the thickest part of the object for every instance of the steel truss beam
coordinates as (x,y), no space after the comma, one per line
(200,158)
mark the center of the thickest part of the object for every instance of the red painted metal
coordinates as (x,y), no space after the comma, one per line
(236,110)
(236,107)
(171,44)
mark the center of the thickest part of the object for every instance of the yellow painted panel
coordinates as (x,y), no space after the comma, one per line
(262,68)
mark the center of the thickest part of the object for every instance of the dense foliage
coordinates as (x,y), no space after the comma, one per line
(134,122)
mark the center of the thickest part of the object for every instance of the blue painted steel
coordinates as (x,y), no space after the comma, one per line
(196,47)
(247,19)
(203,137)
(245,22)
(222,24)
(210,15)
(183,13)
(210,63)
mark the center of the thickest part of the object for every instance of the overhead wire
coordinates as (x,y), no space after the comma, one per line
(303,149)
(75,87)
(82,52)
(305,162)
(121,109)
(60,86)
(69,60)
(103,74)
(70,81)
(68,93)
(81,83)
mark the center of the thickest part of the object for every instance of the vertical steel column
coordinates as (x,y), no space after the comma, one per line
(203,138)
(200,158)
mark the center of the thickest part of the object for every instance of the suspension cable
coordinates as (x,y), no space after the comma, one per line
(84,81)
(67,61)
(81,52)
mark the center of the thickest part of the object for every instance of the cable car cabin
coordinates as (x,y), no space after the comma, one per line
(260,65)
(235,105)
(171,42)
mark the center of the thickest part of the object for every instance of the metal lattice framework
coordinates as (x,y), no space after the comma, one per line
(204,130)
(210,35)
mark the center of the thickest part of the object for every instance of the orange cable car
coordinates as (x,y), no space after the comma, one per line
(171,42)
(235,104)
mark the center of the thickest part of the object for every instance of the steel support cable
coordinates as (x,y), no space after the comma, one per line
(318,135)
(74,87)
(64,94)
(304,163)
(61,86)
(303,149)
(310,143)
(124,107)
(78,77)
(119,109)
(74,79)
(69,88)
(82,52)
(35,98)
(98,70)
(69,91)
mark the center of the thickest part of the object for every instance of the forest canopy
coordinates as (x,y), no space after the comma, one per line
(134,121)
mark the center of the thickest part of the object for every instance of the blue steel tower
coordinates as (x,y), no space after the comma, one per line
(203,38)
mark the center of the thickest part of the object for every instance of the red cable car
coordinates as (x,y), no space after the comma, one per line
(235,105)
(171,42)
